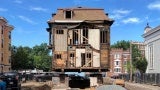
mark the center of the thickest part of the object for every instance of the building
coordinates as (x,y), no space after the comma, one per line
(5,47)
(140,46)
(152,49)
(80,39)
(118,61)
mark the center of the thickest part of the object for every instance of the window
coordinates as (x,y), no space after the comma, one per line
(117,70)
(103,36)
(2,43)
(60,31)
(83,58)
(117,63)
(9,47)
(9,35)
(85,35)
(72,62)
(2,29)
(75,37)
(116,56)
(1,56)
(150,55)
(88,55)
(58,56)
(72,55)
(68,14)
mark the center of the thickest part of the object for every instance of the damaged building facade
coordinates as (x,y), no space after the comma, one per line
(80,39)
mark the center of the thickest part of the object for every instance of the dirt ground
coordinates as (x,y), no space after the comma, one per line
(32,85)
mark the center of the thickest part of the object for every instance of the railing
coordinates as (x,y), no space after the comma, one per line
(145,78)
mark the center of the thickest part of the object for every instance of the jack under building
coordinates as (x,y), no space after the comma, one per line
(80,39)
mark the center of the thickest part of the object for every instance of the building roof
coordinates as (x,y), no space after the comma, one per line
(151,31)
(2,18)
(80,14)
(6,23)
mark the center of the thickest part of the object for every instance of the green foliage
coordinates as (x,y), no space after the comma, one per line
(19,58)
(121,44)
(29,58)
(141,64)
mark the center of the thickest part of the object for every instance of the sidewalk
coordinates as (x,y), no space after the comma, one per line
(138,86)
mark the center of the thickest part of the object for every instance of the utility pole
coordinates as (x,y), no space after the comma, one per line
(131,61)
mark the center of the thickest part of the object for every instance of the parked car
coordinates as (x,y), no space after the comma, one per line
(12,80)
(43,77)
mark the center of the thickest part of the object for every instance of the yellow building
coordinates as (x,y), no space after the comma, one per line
(5,45)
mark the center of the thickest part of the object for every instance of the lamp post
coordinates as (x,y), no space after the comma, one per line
(131,61)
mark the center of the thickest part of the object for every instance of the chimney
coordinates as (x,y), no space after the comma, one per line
(53,14)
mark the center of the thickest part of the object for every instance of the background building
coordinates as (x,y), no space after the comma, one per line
(118,61)
(5,45)
(152,48)
(80,39)
(140,46)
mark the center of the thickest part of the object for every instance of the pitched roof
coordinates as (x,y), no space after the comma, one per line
(81,13)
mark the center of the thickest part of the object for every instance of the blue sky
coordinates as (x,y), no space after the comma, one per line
(29,17)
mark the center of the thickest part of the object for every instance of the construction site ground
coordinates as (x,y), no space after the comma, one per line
(48,85)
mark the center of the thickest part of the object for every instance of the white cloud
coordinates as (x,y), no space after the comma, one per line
(116,16)
(122,11)
(27,19)
(131,20)
(119,13)
(154,5)
(18,1)
(38,9)
(3,10)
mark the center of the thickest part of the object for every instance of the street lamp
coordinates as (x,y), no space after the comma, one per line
(131,61)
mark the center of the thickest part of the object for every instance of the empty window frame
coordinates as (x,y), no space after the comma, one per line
(68,14)
(75,37)
(83,58)
(59,31)
(58,56)
(85,35)
(72,59)
(89,56)
(103,36)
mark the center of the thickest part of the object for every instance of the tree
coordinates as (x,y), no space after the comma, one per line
(141,64)
(121,44)
(19,58)
(30,58)
(42,59)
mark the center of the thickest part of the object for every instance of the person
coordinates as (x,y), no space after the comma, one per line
(2,83)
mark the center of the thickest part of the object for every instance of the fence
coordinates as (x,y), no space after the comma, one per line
(146,78)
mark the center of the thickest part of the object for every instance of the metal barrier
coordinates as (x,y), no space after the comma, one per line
(145,78)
